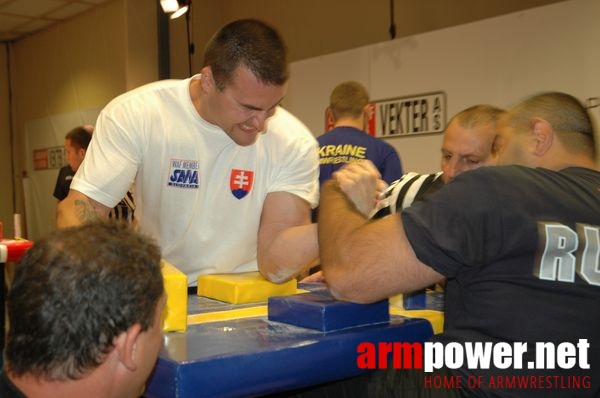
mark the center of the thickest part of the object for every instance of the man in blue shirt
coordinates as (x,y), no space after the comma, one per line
(348,141)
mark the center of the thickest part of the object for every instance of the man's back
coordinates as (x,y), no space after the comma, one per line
(347,144)
(526,271)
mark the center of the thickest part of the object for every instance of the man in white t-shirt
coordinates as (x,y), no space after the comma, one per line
(225,178)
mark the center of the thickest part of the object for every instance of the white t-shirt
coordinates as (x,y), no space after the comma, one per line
(198,193)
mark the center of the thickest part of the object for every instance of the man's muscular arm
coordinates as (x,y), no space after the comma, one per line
(78,209)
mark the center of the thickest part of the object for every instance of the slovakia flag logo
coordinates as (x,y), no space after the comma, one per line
(240,182)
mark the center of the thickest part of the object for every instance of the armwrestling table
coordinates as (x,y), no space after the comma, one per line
(251,356)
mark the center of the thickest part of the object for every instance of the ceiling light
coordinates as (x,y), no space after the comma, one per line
(169,6)
(179,12)
(175,7)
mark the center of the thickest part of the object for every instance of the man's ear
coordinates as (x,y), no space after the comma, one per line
(366,114)
(126,344)
(330,118)
(543,136)
(367,111)
(207,80)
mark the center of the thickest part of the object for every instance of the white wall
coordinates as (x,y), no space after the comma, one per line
(38,186)
(498,61)
(58,75)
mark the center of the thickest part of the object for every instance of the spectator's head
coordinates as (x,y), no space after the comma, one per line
(546,130)
(349,101)
(244,78)
(86,303)
(76,144)
(469,139)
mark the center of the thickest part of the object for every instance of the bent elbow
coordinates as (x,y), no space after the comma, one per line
(339,293)
(342,288)
(350,295)
(275,276)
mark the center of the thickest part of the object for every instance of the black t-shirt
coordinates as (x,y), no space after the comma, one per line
(8,389)
(63,182)
(512,242)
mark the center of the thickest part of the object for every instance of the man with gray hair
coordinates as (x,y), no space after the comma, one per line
(467,144)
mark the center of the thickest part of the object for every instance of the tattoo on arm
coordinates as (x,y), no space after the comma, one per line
(85,211)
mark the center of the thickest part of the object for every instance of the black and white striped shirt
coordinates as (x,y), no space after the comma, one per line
(404,191)
(124,210)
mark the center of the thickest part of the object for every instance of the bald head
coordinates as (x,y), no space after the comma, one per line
(551,130)
(469,139)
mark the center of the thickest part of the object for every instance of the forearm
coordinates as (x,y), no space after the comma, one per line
(365,261)
(336,237)
(293,251)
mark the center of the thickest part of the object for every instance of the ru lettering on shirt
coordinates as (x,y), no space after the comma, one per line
(564,252)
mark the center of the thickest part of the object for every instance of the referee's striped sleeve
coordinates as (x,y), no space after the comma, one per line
(403,192)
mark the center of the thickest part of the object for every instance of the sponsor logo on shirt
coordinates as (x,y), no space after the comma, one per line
(183,174)
(346,153)
(241,182)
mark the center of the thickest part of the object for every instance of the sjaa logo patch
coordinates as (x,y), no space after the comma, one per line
(183,174)
(240,182)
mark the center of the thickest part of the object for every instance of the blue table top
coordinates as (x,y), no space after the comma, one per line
(255,356)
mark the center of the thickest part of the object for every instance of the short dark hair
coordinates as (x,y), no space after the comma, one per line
(251,43)
(566,114)
(73,292)
(80,137)
(348,99)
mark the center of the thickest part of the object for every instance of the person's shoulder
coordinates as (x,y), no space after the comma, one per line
(386,146)
(582,172)
(494,179)
(284,115)
(493,172)
(510,171)
(7,388)
(340,133)
(323,139)
(66,170)
(541,176)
